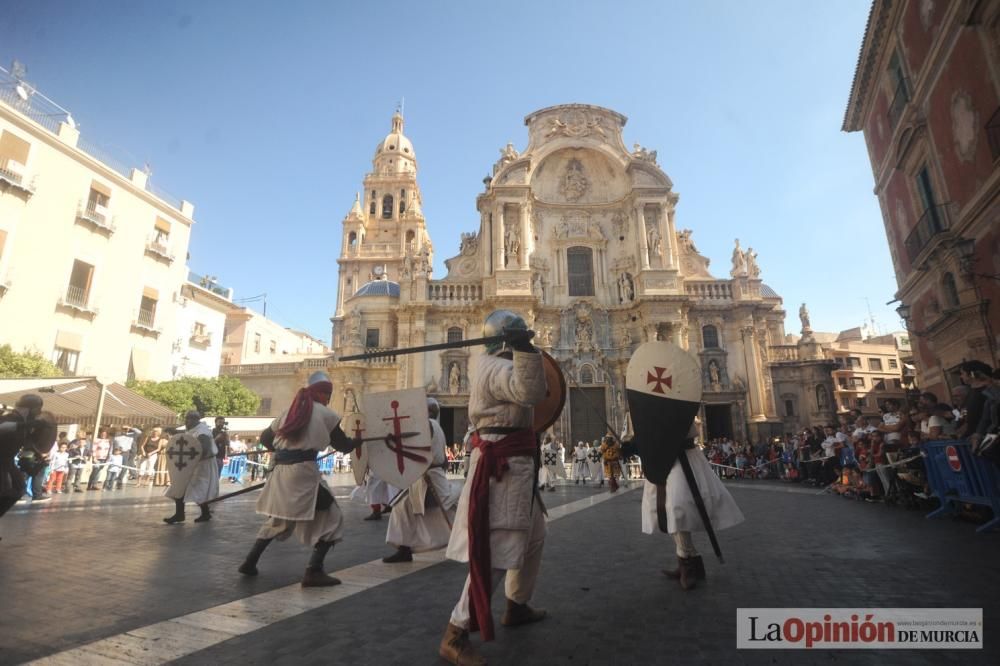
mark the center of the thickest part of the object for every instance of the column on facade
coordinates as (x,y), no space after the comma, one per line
(641,231)
(499,227)
(418,336)
(667,233)
(755,376)
(527,240)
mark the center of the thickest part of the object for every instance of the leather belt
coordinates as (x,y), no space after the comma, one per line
(498,430)
(293,456)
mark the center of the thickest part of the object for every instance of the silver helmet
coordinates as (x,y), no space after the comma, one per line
(318,377)
(496,322)
(433,408)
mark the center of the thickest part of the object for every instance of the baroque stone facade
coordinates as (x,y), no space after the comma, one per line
(577,233)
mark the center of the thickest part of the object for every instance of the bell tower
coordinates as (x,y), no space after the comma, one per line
(385,228)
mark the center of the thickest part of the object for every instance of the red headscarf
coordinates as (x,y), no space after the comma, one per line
(301,410)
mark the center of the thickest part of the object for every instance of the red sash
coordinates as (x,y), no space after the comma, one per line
(492,463)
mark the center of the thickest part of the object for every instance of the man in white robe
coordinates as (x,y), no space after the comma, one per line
(295,498)
(682,513)
(549,470)
(581,468)
(596,463)
(422,520)
(203,484)
(499,527)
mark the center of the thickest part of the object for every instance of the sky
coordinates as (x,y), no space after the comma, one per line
(266,115)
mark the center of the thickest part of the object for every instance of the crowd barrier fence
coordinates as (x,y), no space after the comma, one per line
(957,476)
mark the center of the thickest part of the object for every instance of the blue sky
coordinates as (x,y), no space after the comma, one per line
(266,116)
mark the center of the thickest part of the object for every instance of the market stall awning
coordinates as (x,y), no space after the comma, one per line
(74,400)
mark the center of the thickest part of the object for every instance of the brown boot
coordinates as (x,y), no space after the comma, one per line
(689,572)
(402,554)
(699,565)
(456,648)
(517,614)
(315,576)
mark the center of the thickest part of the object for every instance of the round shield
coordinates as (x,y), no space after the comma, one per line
(663,370)
(548,410)
(353,425)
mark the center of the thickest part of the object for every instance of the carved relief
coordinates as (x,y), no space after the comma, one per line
(574,182)
(512,283)
(964,121)
(578,225)
(575,123)
(619,222)
(641,153)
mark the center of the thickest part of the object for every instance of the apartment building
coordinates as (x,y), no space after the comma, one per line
(251,338)
(92,256)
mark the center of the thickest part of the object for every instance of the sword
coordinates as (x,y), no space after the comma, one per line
(258,486)
(424,348)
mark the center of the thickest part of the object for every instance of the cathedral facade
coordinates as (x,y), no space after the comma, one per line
(576,233)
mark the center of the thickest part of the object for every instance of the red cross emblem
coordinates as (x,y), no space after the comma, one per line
(659,380)
(395,441)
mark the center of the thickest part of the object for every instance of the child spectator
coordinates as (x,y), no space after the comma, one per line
(59,464)
(114,469)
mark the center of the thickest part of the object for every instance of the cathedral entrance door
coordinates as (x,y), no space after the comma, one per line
(718,421)
(587,413)
(454,421)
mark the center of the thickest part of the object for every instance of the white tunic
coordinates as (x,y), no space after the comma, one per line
(502,394)
(682,514)
(291,490)
(204,483)
(411,522)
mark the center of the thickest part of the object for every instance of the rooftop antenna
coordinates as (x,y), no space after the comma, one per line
(871,317)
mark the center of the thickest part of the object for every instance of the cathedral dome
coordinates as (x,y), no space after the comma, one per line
(378,288)
(395,142)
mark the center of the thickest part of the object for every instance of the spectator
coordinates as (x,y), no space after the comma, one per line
(162,477)
(98,459)
(931,425)
(59,466)
(221,435)
(977,376)
(150,452)
(125,441)
(114,470)
(832,444)
(79,450)
(894,425)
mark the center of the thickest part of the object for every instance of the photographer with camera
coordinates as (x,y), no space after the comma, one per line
(26,432)
(220,433)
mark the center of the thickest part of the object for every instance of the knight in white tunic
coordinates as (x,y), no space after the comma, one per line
(596,463)
(549,471)
(581,468)
(682,513)
(422,520)
(201,484)
(295,498)
(499,527)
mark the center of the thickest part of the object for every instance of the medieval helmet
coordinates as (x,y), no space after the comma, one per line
(318,377)
(433,408)
(496,322)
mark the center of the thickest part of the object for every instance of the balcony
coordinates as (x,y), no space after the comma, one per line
(209,283)
(709,291)
(900,99)
(934,222)
(75,301)
(96,216)
(145,323)
(159,249)
(12,177)
(379,360)
(779,353)
(200,339)
(454,293)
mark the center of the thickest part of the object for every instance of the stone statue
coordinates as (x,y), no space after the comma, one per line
(822,400)
(512,244)
(584,336)
(454,378)
(804,318)
(508,154)
(352,331)
(546,337)
(626,338)
(713,375)
(574,183)
(739,261)
(738,384)
(537,287)
(685,243)
(407,270)
(753,270)
(653,235)
(350,401)
(626,289)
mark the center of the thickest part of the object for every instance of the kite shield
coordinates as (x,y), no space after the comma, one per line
(399,460)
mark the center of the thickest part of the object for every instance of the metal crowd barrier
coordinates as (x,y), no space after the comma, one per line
(234,468)
(956,476)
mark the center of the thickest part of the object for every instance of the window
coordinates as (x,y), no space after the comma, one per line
(842,382)
(900,91)
(387,207)
(579,261)
(265,407)
(857,382)
(710,337)
(13,156)
(78,291)
(586,375)
(950,290)
(861,402)
(897,384)
(839,360)
(272,347)
(198,329)
(402,201)
(256,343)
(879,384)
(65,359)
(352,241)
(853,362)
(371,338)
(893,365)
(789,408)
(875,364)
(925,189)
(373,203)
(161,232)
(454,334)
(147,310)
(98,200)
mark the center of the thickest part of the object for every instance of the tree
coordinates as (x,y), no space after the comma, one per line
(26,364)
(216,396)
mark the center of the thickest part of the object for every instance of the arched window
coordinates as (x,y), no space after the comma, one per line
(710,337)
(586,375)
(950,290)
(373,203)
(580,265)
(387,206)
(352,241)
(454,334)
